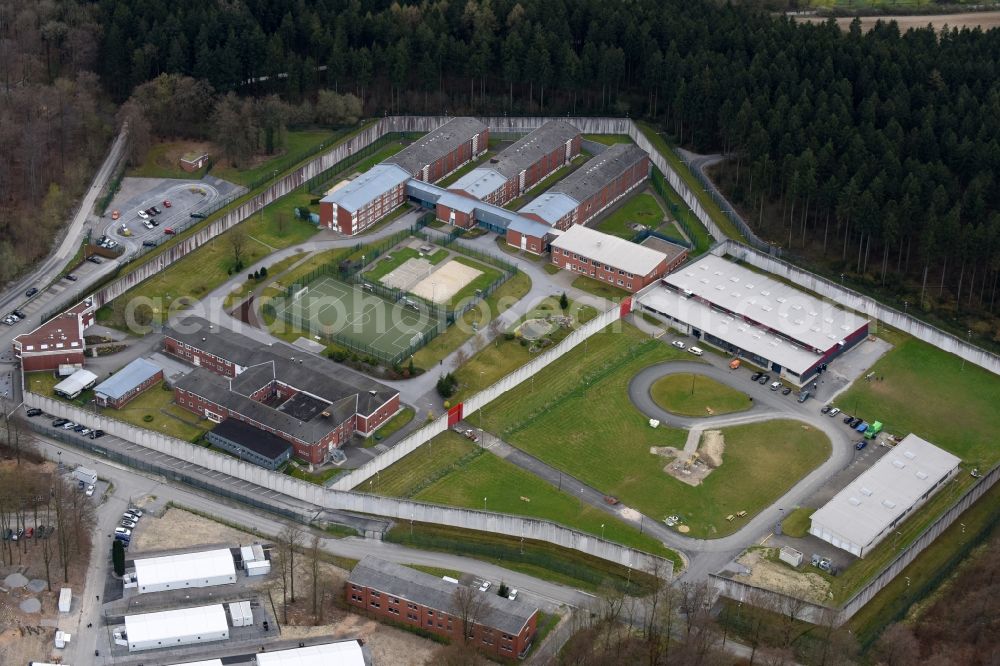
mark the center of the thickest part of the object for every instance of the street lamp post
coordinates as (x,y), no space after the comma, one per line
(484,504)
(968,337)
(602,531)
(841,279)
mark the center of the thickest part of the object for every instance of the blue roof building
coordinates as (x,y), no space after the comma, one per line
(127,383)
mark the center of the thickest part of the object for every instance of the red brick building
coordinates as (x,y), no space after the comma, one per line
(498,626)
(592,188)
(314,404)
(521,166)
(59,341)
(435,155)
(610,259)
(362,202)
(128,383)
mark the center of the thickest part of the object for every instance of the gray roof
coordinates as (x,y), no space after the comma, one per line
(435,145)
(126,379)
(480,182)
(610,250)
(427,590)
(672,250)
(378,180)
(428,192)
(261,441)
(864,510)
(813,323)
(600,170)
(550,206)
(520,155)
(217,340)
(529,227)
(458,202)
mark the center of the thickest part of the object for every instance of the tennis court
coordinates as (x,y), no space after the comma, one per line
(360,319)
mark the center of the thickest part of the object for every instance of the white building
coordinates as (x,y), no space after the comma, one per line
(185,626)
(170,572)
(871,506)
(343,653)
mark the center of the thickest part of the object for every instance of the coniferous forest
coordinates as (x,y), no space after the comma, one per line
(869,154)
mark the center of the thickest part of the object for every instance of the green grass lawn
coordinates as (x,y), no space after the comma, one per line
(320,478)
(272,271)
(487,276)
(498,302)
(545,183)
(599,288)
(796,523)
(641,209)
(689,394)
(154,401)
(608,139)
(407,477)
(299,144)
(163,160)
(551,268)
(503,356)
(555,420)
(392,426)
(927,392)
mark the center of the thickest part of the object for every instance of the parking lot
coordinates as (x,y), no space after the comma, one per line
(142,194)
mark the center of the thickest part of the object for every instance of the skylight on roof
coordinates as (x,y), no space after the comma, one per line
(855,501)
(910,454)
(898,463)
(866,491)
(889,504)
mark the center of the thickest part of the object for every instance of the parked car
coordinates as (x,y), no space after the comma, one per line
(833,412)
(69,425)
(735,364)
(128,523)
(786,390)
(90,490)
(764,379)
(755,376)
(28,533)
(85,431)
(10,320)
(79,427)
(156,211)
(853,421)
(824,409)
(608,499)
(848,418)
(115,215)
(485,586)
(34,411)
(58,423)
(147,224)
(19,314)
(8,533)
(166,203)
(123,531)
(31,292)
(198,216)
(136,512)
(697,351)
(96,434)
(803,396)
(94,259)
(151,211)
(143,214)
(678,344)
(860,445)
(168,231)
(155,223)
(775,386)
(149,243)
(513,595)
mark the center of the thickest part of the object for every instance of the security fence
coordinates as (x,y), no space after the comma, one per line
(328,498)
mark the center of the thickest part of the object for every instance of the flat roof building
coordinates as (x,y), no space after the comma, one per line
(400,594)
(75,384)
(251,444)
(773,325)
(608,258)
(127,383)
(872,506)
(341,653)
(523,164)
(173,628)
(199,569)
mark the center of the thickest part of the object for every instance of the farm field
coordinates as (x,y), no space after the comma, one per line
(454,471)
(761,460)
(927,391)
(688,394)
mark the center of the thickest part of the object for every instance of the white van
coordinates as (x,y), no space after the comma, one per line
(696,351)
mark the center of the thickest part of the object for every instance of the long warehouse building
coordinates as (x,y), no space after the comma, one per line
(354,206)
(170,572)
(174,628)
(521,166)
(771,324)
(870,507)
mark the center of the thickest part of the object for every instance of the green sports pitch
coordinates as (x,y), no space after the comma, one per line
(360,320)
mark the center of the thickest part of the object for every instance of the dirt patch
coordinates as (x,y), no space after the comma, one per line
(182,529)
(984,20)
(781,577)
(693,469)
(711,448)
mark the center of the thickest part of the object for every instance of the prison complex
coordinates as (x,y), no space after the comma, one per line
(314,404)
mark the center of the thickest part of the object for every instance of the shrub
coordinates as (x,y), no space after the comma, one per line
(508,336)
(148,418)
(339,356)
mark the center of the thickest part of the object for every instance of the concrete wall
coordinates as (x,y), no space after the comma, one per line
(484,521)
(861,303)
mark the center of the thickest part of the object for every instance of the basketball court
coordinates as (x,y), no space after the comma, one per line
(330,308)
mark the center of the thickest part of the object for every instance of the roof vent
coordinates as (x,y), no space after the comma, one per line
(889,504)
(855,501)
(910,454)
(922,476)
(898,463)
(866,491)
(203,339)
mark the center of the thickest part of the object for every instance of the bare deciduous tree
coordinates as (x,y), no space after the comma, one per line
(237,238)
(468,603)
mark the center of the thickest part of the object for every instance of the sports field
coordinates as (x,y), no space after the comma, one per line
(334,309)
